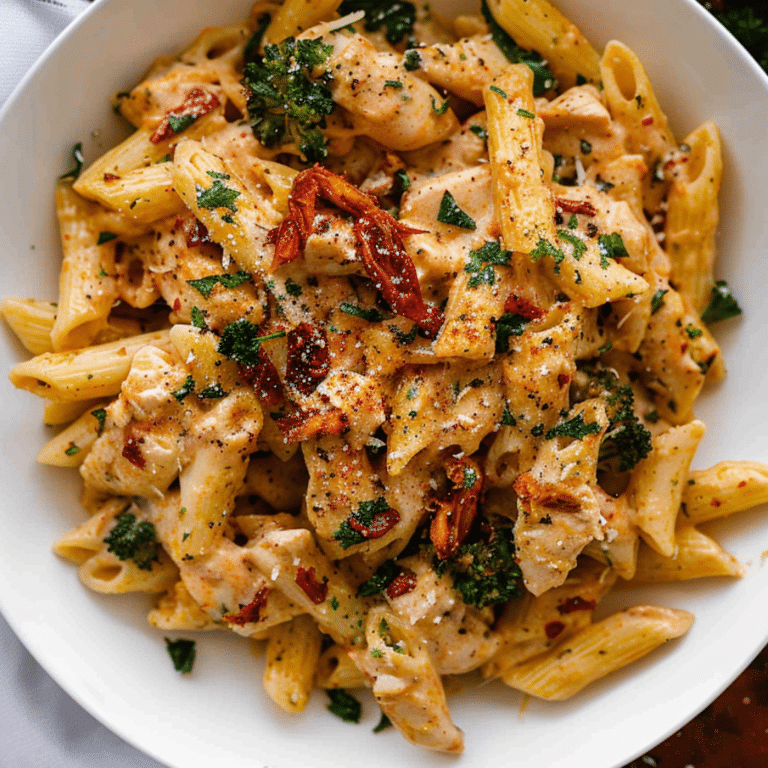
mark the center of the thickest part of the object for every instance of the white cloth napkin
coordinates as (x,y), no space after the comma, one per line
(41,726)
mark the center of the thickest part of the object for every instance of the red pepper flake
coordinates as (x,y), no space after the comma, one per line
(524,308)
(303,424)
(316,591)
(382,523)
(197,102)
(402,584)
(456,512)
(553,629)
(575,206)
(111,177)
(378,241)
(177,304)
(576,604)
(647,121)
(132,452)
(563,379)
(715,503)
(264,379)
(742,484)
(249,613)
(308,357)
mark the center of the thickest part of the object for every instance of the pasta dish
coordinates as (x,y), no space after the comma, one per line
(379,340)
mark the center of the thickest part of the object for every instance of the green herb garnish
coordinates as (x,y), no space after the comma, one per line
(451,214)
(182,653)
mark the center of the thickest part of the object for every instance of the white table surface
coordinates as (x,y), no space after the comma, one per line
(40,725)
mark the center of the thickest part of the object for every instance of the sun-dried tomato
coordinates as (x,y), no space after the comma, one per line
(303,424)
(315,590)
(132,451)
(575,206)
(549,495)
(195,232)
(576,603)
(403,583)
(249,613)
(523,307)
(455,513)
(382,522)
(264,379)
(197,102)
(378,241)
(308,357)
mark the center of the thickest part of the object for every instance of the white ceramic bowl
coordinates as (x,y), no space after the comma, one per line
(102,651)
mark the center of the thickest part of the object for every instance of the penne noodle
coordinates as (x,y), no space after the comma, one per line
(293,650)
(598,650)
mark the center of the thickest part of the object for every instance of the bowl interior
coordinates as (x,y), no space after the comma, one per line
(102,651)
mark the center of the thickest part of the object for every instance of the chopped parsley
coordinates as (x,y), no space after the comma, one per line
(179,123)
(101,417)
(525,113)
(105,237)
(509,324)
(507,419)
(451,214)
(694,332)
(626,439)
(470,477)
(240,341)
(403,179)
(412,60)
(586,147)
(479,131)
(371,315)
(292,288)
(198,318)
(575,428)
(723,304)
(657,300)
(186,389)
(402,338)
(212,392)
(483,570)
(229,280)
(383,723)
(218,195)
(498,91)
(482,261)
(543,79)
(347,707)
(73,449)
(545,248)
(396,18)
(77,156)
(611,247)
(346,535)
(251,50)
(441,110)
(135,540)
(579,246)
(287,104)
(182,653)
(384,575)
